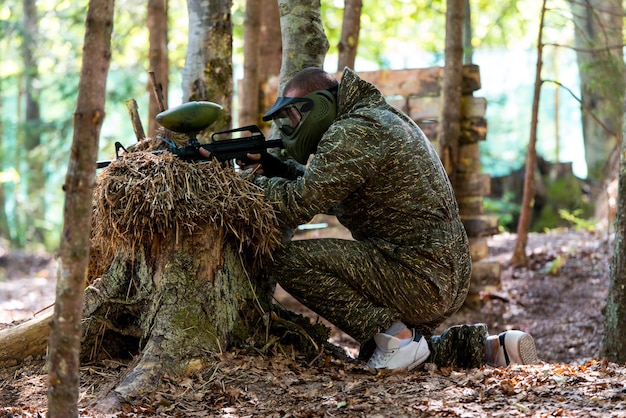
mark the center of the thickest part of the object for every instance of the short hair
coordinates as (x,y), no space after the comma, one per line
(311,79)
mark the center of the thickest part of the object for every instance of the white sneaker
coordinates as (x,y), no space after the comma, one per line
(389,354)
(510,347)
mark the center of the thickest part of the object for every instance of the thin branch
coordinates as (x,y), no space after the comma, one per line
(585,108)
(589,50)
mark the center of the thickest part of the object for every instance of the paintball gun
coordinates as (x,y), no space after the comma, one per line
(191,118)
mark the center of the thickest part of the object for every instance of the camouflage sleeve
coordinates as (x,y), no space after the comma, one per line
(340,165)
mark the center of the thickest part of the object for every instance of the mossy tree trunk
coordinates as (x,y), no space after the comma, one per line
(182,285)
(614,344)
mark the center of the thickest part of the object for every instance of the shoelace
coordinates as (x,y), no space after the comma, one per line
(380,357)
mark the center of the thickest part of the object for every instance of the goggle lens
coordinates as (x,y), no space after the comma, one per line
(288,119)
(291,116)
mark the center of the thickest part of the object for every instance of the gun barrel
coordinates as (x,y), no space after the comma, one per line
(103,163)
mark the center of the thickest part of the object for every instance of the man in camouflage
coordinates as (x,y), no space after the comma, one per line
(408,267)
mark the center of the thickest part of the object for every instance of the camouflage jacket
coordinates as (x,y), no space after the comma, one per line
(378,173)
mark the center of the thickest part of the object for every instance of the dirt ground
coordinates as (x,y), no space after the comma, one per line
(559,299)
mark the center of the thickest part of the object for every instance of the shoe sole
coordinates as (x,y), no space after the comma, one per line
(419,361)
(527,349)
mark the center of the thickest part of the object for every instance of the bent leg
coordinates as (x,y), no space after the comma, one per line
(356,287)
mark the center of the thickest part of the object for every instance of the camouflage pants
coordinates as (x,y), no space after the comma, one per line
(362,291)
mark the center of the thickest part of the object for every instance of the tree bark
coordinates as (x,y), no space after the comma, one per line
(249,96)
(614,343)
(450,121)
(304,41)
(63,376)
(271,44)
(25,340)
(598,40)
(158,59)
(35,176)
(175,257)
(270,51)
(349,34)
(208,73)
(519,256)
(195,293)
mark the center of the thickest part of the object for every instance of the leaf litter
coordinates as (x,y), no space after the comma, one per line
(561,306)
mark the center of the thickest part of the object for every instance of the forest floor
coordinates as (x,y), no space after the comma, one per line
(559,299)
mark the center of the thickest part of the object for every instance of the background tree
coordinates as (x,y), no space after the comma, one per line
(208,73)
(519,253)
(33,207)
(65,334)
(249,96)
(614,342)
(450,123)
(301,25)
(349,34)
(158,60)
(598,30)
(468,48)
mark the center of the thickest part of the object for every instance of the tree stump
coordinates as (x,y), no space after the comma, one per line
(176,252)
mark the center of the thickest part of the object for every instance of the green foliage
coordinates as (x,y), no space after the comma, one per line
(564,196)
(577,221)
(388,30)
(506,209)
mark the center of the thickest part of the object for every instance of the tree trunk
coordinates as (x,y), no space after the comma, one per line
(270,51)
(450,121)
(5,230)
(349,34)
(25,340)
(271,44)
(598,40)
(468,48)
(158,59)
(304,41)
(175,259)
(249,96)
(208,68)
(519,256)
(35,156)
(614,343)
(194,294)
(63,378)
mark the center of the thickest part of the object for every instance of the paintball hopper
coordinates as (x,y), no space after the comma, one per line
(190,117)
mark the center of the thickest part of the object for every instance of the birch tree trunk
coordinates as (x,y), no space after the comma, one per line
(208,73)
(304,40)
(249,96)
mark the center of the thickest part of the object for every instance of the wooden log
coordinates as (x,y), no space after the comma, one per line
(473,184)
(419,108)
(480,225)
(27,339)
(468,159)
(479,248)
(472,131)
(471,205)
(418,81)
(486,278)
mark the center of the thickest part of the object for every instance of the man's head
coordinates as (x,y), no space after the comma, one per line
(305,111)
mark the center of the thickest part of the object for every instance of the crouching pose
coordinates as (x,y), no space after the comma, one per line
(408,267)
